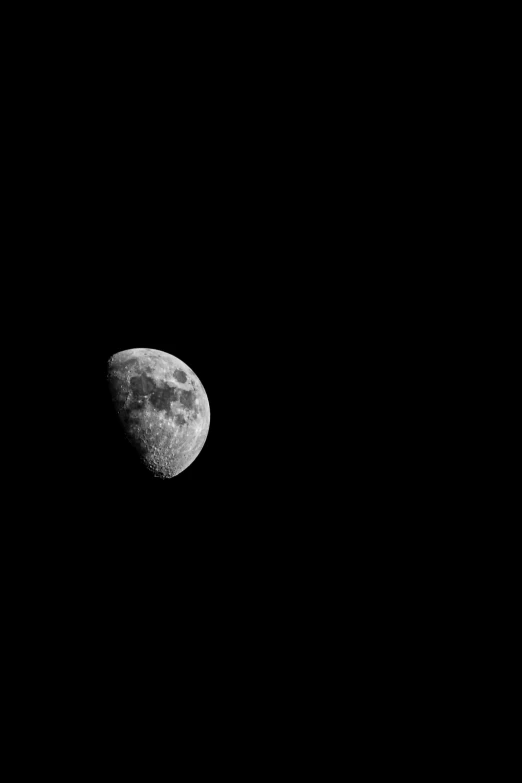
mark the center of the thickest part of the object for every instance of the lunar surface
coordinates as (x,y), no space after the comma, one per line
(162,406)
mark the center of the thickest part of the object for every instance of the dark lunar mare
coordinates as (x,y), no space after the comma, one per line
(115,385)
(142,385)
(162,398)
(159,395)
(187,399)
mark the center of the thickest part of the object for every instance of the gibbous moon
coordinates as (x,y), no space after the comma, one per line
(162,406)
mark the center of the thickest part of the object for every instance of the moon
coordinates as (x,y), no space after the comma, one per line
(162,406)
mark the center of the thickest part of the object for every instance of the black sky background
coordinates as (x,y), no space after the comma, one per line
(217,204)
(195,214)
(158,218)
